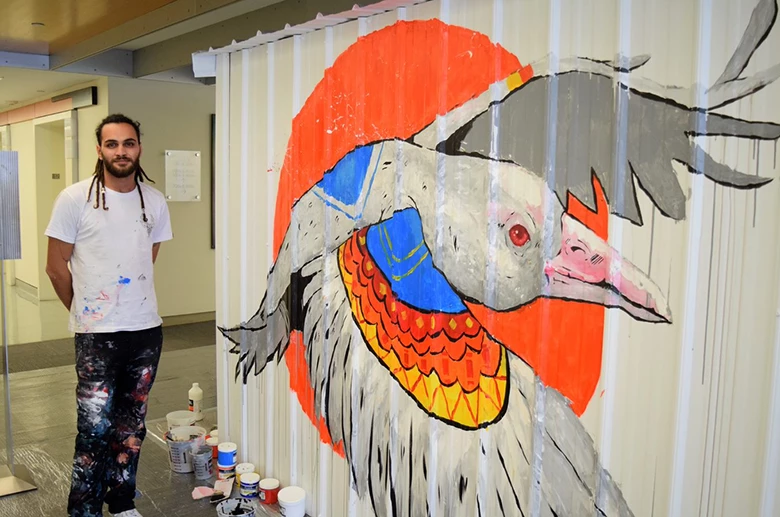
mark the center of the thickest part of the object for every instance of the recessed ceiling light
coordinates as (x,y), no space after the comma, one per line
(38,24)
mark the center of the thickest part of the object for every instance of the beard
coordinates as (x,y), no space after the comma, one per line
(121,171)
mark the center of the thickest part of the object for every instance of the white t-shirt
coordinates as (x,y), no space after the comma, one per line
(111,264)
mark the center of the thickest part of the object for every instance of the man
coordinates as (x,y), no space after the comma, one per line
(108,228)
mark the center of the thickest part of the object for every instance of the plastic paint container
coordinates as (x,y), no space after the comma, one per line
(243,468)
(180,419)
(202,463)
(268,490)
(292,501)
(235,508)
(227,453)
(226,471)
(213,442)
(181,441)
(249,482)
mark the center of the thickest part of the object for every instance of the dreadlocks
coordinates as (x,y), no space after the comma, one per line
(98,181)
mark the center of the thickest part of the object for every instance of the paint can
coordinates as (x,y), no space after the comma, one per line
(203,463)
(249,482)
(235,508)
(243,468)
(227,453)
(181,441)
(225,471)
(292,501)
(180,419)
(268,490)
(213,442)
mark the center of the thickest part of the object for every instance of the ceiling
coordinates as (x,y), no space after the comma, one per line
(51,45)
(19,85)
(44,26)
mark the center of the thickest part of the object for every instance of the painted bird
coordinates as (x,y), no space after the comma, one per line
(395,262)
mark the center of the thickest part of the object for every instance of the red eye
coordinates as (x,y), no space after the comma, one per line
(519,235)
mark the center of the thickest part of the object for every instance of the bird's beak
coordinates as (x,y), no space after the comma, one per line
(588,269)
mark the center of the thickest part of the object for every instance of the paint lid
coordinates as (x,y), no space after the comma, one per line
(245,468)
(291,495)
(250,478)
(269,484)
(212,441)
(227,447)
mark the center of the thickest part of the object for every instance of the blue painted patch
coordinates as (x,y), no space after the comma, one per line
(345,181)
(123,280)
(397,247)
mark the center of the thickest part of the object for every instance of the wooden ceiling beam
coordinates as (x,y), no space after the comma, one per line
(177,52)
(166,16)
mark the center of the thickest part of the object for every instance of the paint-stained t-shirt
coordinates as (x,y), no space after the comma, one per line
(111,264)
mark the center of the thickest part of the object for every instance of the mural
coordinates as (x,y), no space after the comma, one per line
(450,241)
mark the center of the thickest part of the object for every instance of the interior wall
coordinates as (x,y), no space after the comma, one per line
(176,116)
(88,120)
(23,142)
(680,416)
(50,180)
(36,209)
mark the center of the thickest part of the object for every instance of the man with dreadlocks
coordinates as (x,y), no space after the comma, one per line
(108,228)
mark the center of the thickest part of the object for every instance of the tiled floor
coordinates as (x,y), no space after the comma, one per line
(44,423)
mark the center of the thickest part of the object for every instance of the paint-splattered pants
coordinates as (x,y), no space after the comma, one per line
(115,373)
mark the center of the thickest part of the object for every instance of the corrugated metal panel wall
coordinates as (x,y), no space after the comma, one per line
(684,415)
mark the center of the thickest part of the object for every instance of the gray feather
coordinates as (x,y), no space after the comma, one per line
(761,22)
(259,339)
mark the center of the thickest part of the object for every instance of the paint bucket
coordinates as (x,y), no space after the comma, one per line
(181,441)
(203,463)
(243,468)
(227,453)
(249,482)
(292,501)
(180,419)
(268,490)
(226,471)
(235,508)
(213,442)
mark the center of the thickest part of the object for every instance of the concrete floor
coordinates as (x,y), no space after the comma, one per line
(44,429)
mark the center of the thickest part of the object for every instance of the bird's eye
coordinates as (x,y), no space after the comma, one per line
(519,235)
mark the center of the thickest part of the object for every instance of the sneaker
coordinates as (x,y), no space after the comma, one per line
(128,513)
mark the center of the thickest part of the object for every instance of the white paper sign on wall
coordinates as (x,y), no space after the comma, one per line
(182,175)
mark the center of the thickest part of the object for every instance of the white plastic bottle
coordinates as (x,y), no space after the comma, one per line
(196,401)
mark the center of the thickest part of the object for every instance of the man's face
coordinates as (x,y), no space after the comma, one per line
(120,149)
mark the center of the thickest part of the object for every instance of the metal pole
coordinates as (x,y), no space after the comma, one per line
(13,478)
(9,438)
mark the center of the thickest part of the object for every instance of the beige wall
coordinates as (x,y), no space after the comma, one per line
(172,116)
(49,161)
(176,116)
(33,214)
(88,119)
(23,142)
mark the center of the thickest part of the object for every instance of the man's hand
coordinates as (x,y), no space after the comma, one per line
(57,260)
